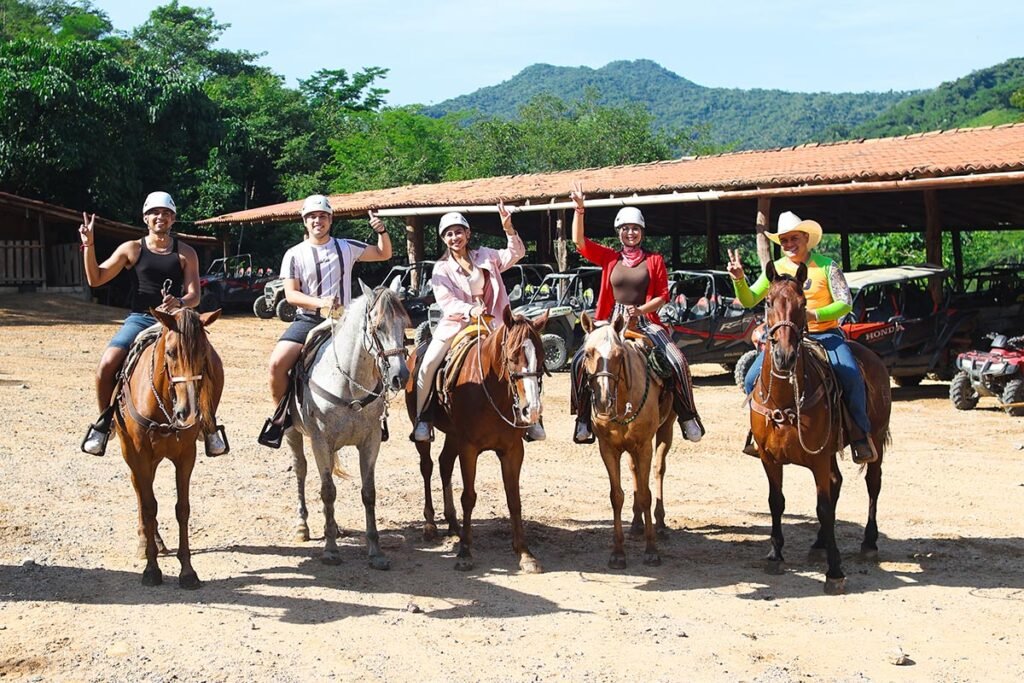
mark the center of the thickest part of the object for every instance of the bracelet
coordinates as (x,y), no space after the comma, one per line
(380,232)
(580,211)
(181,302)
(83,246)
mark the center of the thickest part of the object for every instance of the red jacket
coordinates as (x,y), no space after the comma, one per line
(607,258)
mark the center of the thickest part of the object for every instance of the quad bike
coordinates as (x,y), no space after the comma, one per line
(998,372)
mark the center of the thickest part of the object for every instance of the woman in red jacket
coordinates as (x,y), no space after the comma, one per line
(634,284)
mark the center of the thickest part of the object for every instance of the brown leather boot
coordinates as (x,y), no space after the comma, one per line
(750,448)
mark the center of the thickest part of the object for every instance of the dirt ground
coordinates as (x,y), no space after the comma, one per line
(943,603)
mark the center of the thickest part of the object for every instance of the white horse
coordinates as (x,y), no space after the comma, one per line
(343,403)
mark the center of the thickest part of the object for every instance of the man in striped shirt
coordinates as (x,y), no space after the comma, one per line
(317,276)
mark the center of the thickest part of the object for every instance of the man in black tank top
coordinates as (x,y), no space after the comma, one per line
(152,260)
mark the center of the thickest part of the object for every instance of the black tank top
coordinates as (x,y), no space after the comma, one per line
(150,272)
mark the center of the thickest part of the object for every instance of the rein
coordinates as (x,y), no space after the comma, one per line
(513,377)
(171,426)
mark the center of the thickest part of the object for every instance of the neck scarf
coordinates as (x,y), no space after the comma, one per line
(632,256)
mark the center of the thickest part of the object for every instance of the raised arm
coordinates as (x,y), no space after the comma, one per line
(578,235)
(98,275)
(382,250)
(514,249)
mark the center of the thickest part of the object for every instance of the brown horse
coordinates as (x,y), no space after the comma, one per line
(494,397)
(165,404)
(630,410)
(796,419)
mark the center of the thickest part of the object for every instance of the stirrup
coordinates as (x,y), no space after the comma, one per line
(577,438)
(863,458)
(430,432)
(750,447)
(218,432)
(98,437)
(272,432)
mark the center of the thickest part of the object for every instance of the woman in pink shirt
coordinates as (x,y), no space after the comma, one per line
(467,285)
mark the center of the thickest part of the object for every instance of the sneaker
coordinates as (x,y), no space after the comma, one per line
(535,432)
(583,433)
(421,432)
(692,431)
(863,452)
(216,443)
(95,442)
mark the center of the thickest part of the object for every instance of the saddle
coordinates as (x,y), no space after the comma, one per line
(462,344)
(145,339)
(315,340)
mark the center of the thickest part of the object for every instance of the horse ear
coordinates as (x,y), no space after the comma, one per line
(540,321)
(207,318)
(801,275)
(165,318)
(506,316)
(586,322)
(770,272)
(618,324)
(366,290)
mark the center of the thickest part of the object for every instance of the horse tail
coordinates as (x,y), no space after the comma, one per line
(337,469)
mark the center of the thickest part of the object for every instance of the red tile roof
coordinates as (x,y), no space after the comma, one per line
(927,155)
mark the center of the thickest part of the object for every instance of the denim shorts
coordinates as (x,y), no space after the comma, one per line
(300,327)
(133,326)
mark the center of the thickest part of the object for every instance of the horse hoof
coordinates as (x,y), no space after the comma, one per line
(152,577)
(463,564)
(430,532)
(301,534)
(617,562)
(189,581)
(530,565)
(869,554)
(380,562)
(636,530)
(332,559)
(835,586)
(773,567)
(652,559)
(661,530)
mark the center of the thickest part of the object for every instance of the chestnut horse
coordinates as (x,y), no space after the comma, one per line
(164,405)
(495,397)
(797,420)
(630,410)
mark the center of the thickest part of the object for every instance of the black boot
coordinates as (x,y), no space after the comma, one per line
(750,448)
(863,451)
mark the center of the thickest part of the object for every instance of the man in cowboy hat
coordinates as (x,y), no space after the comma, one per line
(828,300)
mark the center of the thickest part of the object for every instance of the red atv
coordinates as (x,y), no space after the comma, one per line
(997,372)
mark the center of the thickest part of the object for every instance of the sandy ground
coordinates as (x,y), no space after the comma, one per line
(947,593)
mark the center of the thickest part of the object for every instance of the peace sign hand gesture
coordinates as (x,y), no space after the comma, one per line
(735,266)
(506,217)
(85,230)
(576,194)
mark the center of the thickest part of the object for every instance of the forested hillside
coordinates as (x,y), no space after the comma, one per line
(742,119)
(984,98)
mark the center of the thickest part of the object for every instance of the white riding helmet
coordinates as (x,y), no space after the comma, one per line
(450,219)
(316,202)
(158,200)
(629,215)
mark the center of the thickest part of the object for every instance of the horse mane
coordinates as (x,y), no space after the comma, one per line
(387,301)
(520,331)
(194,350)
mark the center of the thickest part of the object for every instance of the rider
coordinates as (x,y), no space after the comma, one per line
(468,285)
(634,283)
(317,275)
(828,300)
(152,261)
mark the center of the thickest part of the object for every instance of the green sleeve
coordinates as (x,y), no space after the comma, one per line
(842,300)
(750,296)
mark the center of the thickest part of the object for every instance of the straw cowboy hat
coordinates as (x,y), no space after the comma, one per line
(790,222)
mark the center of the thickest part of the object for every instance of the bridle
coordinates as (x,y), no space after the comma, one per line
(514,377)
(629,414)
(172,425)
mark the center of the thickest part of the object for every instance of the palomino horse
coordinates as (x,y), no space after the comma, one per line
(494,397)
(343,403)
(164,405)
(796,420)
(630,410)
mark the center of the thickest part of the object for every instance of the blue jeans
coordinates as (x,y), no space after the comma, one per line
(133,326)
(846,369)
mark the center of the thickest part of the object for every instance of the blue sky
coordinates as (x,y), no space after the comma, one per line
(437,50)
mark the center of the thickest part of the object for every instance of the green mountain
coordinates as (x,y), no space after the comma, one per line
(746,119)
(981,98)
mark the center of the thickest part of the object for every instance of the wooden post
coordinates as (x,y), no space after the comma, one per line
(933,240)
(42,250)
(561,245)
(711,247)
(958,259)
(844,247)
(764,207)
(676,256)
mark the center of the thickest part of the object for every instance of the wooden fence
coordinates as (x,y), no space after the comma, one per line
(21,263)
(66,268)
